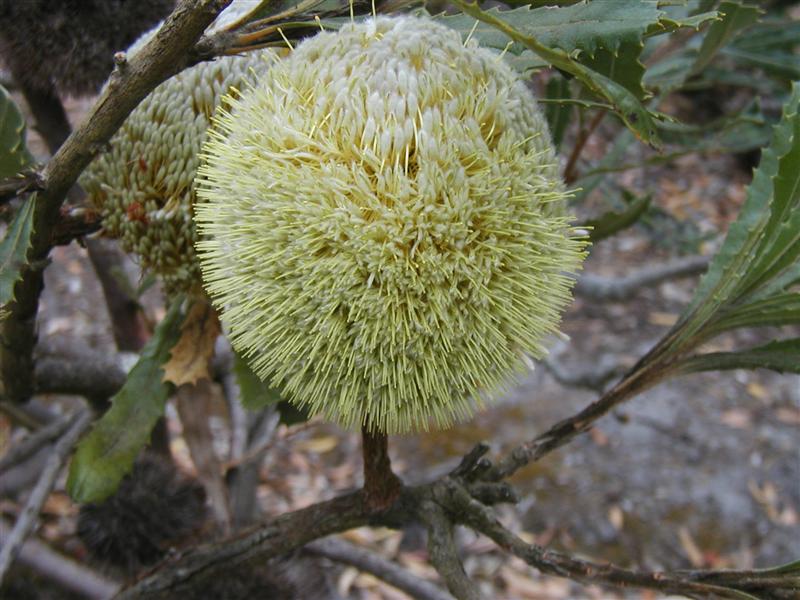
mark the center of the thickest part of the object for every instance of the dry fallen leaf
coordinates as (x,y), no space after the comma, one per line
(319,445)
(598,437)
(758,391)
(736,418)
(191,356)
(790,416)
(616,517)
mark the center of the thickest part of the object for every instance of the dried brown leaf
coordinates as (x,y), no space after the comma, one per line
(191,357)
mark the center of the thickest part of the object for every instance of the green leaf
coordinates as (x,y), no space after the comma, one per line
(782,356)
(583,26)
(785,569)
(762,245)
(670,24)
(741,132)
(780,309)
(626,105)
(735,17)
(13,250)
(106,454)
(770,34)
(254,393)
(621,65)
(670,73)
(784,65)
(613,222)
(14,155)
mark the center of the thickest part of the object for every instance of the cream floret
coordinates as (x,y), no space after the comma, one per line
(383,227)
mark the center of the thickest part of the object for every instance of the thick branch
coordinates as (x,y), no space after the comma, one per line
(440,505)
(369,562)
(130,332)
(166,54)
(92,375)
(279,536)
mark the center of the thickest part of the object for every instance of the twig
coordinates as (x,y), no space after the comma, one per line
(60,569)
(256,449)
(638,380)
(31,415)
(238,417)
(350,554)
(244,477)
(27,181)
(194,406)
(34,442)
(164,55)
(74,224)
(551,562)
(594,378)
(605,289)
(443,553)
(44,486)
(580,143)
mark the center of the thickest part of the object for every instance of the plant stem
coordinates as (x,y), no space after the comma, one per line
(381,485)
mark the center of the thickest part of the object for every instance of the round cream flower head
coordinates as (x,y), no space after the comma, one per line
(383,227)
(142,186)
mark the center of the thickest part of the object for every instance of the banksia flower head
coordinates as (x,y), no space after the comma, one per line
(143,185)
(383,227)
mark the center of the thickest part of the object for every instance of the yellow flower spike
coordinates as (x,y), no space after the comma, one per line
(143,184)
(382,225)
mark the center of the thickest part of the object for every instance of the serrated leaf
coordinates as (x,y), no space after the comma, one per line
(668,24)
(626,105)
(190,357)
(13,250)
(106,454)
(581,26)
(254,393)
(14,155)
(736,16)
(613,222)
(782,356)
(759,246)
(621,65)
